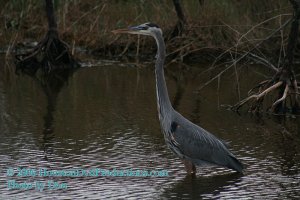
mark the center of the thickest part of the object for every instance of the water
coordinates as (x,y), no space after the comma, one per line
(106,117)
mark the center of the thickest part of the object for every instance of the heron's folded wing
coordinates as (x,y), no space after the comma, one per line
(198,144)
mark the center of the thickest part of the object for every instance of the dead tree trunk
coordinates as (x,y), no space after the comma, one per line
(179,28)
(293,34)
(201,2)
(50,15)
(284,80)
(51,52)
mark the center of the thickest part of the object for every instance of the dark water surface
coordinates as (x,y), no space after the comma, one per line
(106,117)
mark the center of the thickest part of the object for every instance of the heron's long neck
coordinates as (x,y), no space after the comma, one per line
(163,101)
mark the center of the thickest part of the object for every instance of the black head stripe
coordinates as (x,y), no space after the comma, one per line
(152,25)
(140,27)
(143,27)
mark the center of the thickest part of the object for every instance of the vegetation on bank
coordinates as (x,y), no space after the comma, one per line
(212,27)
(227,31)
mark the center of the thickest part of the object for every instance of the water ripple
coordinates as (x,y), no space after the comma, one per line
(106,118)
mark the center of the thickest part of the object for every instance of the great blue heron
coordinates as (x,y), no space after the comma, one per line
(191,143)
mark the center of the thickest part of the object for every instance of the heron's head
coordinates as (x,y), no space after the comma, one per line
(143,29)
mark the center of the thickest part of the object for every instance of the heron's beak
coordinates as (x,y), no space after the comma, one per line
(120,31)
(130,30)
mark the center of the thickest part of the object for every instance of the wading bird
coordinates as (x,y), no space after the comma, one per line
(191,143)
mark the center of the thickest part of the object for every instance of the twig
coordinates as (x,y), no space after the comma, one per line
(257,96)
(283,96)
(244,35)
(247,53)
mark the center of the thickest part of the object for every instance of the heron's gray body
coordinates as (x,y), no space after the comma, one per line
(184,138)
(187,140)
(191,142)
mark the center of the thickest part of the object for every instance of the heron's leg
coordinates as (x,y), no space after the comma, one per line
(189,167)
